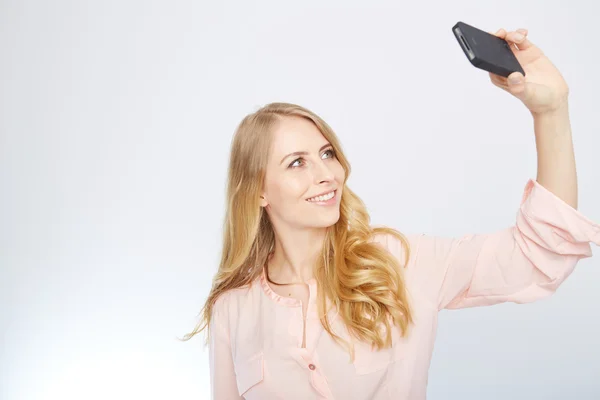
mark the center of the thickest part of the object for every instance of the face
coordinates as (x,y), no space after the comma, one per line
(304,179)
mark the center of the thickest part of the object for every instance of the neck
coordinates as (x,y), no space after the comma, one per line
(295,254)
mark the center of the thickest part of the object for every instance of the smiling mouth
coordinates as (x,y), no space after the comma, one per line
(324,197)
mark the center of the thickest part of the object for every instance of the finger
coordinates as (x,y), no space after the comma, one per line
(516,83)
(501,33)
(499,81)
(515,37)
(515,78)
(519,37)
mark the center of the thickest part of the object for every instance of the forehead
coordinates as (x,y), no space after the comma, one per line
(293,134)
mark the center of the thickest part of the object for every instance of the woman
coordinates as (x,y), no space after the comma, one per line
(311,302)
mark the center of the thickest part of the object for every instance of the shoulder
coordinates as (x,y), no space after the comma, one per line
(235,314)
(234,302)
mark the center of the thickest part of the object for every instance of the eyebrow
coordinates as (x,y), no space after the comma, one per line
(303,153)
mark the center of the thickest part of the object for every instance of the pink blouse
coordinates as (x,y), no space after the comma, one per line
(256,348)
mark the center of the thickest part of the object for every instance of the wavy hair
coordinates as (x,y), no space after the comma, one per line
(356,275)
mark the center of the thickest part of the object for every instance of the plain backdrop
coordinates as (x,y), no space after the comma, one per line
(115,124)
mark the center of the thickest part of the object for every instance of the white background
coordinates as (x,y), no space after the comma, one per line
(115,124)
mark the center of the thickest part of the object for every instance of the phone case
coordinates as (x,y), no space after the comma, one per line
(486,51)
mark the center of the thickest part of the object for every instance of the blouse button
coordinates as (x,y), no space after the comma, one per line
(311,367)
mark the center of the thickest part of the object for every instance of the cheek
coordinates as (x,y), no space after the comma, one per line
(340,173)
(286,189)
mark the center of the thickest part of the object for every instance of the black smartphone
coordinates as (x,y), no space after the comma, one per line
(486,51)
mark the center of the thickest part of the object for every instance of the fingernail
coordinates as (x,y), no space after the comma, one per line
(518,37)
(514,79)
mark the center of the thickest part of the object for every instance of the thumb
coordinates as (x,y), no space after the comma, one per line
(532,94)
(516,84)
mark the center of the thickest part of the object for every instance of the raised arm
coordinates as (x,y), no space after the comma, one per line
(522,263)
(545,93)
(533,257)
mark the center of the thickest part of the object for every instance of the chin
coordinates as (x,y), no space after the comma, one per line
(327,221)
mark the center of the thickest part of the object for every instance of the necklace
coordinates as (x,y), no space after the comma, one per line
(279,284)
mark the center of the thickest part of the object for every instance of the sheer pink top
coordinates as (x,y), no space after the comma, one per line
(256,348)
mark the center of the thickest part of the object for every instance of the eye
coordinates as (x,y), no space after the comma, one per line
(299,162)
(294,163)
(330,152)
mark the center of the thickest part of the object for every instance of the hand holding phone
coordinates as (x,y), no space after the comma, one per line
(486,51)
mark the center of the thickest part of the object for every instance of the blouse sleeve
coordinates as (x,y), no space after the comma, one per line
(222,374)
(520,264)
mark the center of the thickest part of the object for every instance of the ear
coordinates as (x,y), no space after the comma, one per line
(263,201)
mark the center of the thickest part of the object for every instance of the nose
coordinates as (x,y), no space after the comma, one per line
(323,173)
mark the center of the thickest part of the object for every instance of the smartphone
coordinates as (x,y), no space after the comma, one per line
(486,51)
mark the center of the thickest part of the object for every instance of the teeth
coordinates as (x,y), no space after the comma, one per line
(324,197)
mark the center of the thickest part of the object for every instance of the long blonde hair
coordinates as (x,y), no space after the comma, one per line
(359,277)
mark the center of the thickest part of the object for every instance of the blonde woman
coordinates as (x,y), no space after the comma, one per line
(311,302)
